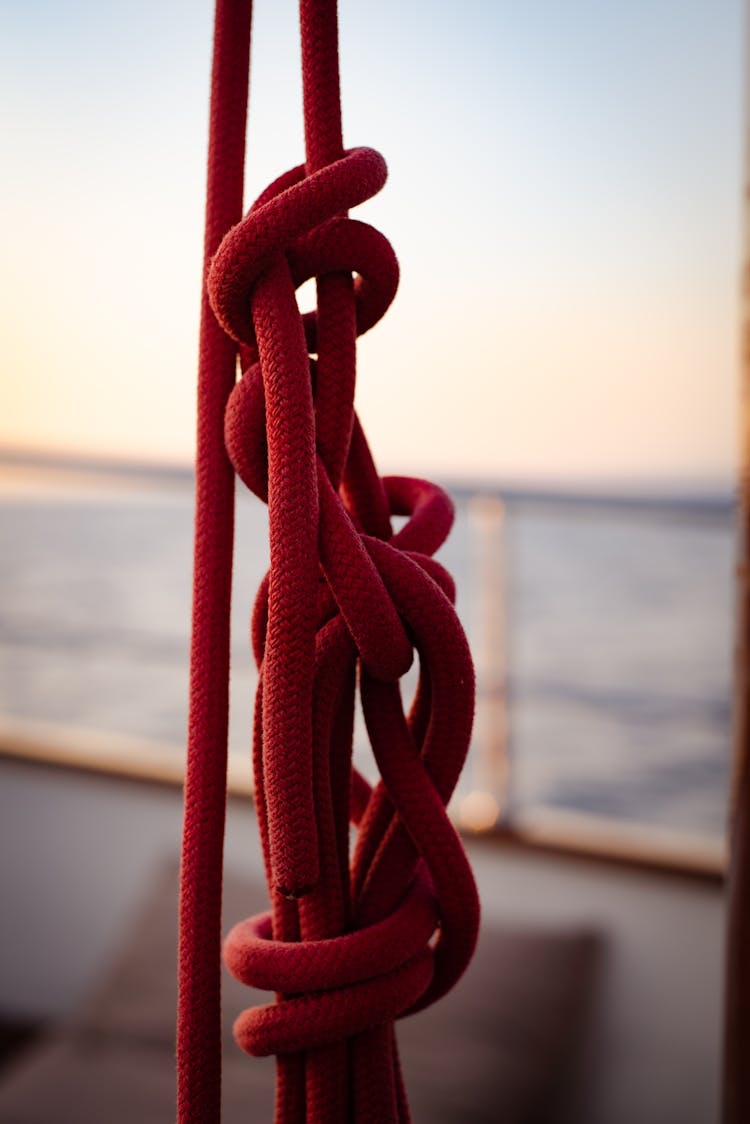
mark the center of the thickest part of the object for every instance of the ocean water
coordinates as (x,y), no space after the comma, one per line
(606,628)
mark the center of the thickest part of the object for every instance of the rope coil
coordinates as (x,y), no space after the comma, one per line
(347,947)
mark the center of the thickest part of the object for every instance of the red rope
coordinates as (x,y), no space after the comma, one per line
(347,947)
(199,1011)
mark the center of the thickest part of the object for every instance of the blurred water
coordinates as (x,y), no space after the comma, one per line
(618,636)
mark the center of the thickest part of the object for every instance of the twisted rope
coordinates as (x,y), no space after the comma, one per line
(348,947)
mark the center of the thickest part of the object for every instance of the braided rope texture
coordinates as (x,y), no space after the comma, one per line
(351,942)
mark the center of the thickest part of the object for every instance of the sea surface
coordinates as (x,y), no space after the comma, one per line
(602,632)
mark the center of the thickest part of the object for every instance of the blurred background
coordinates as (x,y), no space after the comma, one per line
(565,199)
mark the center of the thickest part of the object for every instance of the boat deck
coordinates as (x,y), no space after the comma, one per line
(595,998)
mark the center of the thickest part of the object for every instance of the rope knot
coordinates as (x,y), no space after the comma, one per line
(333,988)
(301,216)
(345,594)
(348,946)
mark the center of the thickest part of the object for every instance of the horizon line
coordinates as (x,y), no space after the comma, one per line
(704,490)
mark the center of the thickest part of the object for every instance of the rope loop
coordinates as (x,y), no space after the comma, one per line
(310,1022)
(293,206)
(391,956)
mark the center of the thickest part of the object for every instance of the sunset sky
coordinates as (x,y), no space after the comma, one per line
(564,199)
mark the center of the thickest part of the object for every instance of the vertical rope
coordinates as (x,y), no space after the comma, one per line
(320,81)
(199,1005)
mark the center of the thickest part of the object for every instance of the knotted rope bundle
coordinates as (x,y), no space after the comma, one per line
(347,946)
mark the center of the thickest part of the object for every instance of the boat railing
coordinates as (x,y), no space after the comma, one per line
(539,829)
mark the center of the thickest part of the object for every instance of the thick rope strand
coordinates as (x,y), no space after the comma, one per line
(199,1003)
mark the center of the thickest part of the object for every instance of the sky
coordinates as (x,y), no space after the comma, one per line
(564,198)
